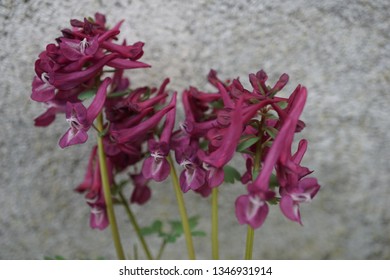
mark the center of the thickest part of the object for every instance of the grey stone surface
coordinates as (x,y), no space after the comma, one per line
(340,50)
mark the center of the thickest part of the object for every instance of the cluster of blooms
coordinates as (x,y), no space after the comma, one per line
(217,125)
(263,125)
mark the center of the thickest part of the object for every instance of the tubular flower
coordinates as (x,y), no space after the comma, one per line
(80,118)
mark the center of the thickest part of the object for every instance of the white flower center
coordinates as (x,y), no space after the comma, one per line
(98,214)
(186,164)
(45,78)
(301,197)
(84,44)
(156,155)
(254,204)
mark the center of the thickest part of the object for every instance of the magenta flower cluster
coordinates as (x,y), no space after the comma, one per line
(81,76)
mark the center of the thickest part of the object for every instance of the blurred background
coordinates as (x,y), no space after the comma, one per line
(340,50)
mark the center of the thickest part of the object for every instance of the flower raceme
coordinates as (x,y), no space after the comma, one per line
(224,120)
(72,66)
(86,66)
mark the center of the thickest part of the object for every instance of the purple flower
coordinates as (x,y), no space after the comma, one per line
(156,166)
(75,49)
(69,80)
(98,215)
(92,185)
(215,176)
(42,90)
(80,118)
(193,176)
(231,138)
(294,188)
(252,208)
(141,192)
(132,134)
(303,191)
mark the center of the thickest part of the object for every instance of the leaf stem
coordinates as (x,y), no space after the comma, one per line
(135,225)
(107,191)
(214,224)
(182,210)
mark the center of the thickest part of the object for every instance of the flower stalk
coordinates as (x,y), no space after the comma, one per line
(214,224)
(134,223)
(250,235)
(107,192)
(182,209)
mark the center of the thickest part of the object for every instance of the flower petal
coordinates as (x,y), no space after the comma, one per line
(290,209)
(41,91)
(250,213)
(66,81)
(156,169)
(98,218)
(141,194)
(98,102)
(46,118)
(73,137)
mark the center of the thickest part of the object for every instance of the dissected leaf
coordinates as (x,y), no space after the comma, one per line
(193,221)
(154,228)
(231,174)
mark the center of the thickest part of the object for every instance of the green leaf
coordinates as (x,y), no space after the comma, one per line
(155,227)
(146,95)
(273,181)
(283,104)
(176,228)
(204,144)
(243,145)
(87,94)
(198,233)
(270,115)
(193,222)
(271,131)
(170,239)
(217,104)
(119,93)
(118,187)
(274,201)
(231,174)
(105,130)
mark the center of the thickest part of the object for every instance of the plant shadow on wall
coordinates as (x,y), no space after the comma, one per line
(136,139)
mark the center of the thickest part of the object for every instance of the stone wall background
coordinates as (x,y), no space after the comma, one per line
(340,50)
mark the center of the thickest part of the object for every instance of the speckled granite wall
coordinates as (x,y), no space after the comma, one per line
(339,49)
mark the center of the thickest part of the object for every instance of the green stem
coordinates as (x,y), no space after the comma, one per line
(107,192)
(162,247)
(135,225)
(214,224)
(249,243)
(250,235)
(182,210)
